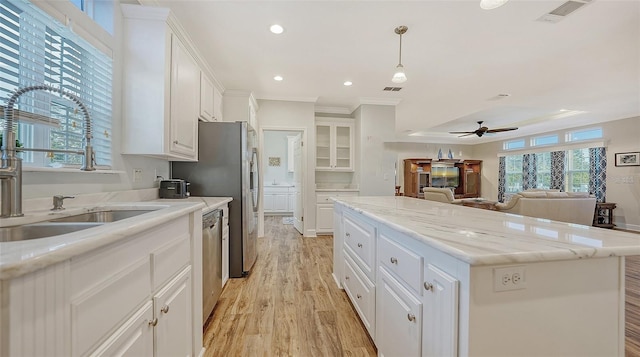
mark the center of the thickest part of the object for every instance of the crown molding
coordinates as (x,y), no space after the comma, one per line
(332,110)
(380,101)
(287,99)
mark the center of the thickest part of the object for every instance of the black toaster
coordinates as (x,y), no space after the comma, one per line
(174,188)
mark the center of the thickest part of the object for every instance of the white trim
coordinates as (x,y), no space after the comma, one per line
(332,110)
(380,101)
(287,98)
(563,147)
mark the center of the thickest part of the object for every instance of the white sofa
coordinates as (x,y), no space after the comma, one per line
(570,207)
(440,195)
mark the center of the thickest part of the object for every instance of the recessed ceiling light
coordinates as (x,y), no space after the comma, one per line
(348,83)
(491,4)
(278,78)
(277,29)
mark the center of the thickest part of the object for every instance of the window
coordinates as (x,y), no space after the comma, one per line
(578,170)
(513,145)
(584,134)
(543,170)
(513,174)
(100,11)
(544,140)
(35,49)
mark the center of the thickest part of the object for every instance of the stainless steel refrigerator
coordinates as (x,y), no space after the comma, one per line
(228,167)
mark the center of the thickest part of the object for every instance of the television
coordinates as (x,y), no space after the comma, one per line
(445,176)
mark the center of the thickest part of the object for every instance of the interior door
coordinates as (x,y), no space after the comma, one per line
(297,182)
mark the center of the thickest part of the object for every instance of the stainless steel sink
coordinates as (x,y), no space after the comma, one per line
(41,230)
(102,216)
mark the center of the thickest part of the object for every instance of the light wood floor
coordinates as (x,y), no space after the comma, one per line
(289,305)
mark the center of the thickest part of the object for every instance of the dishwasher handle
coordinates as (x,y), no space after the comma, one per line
(211,219)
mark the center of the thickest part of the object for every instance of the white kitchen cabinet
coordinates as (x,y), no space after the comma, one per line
(133,339)
(334,145)
(217,104)
(161,86)
(440,319)
(279,199)
(206,98)
(240,106)
(398,318)
(324,209)
(172,309)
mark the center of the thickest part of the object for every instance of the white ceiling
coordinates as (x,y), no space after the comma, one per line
(457,57)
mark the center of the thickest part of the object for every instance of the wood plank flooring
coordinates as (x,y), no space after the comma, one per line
(289,305)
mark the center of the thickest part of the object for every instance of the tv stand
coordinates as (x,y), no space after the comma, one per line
(468,183)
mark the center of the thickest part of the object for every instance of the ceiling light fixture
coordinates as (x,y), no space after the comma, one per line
(399,76)
(491,4)
(277,29)
(278,78)
(348,83)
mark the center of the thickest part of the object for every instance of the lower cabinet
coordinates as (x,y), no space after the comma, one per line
(324,209)
(440,318)
(134,338)
(279,199)
(399,318)
(172,317)
(225,245)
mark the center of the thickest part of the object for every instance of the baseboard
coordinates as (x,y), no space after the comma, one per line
(202,352)
(335,278)
(311,233)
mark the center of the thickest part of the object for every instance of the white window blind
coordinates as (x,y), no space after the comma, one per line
(36,49)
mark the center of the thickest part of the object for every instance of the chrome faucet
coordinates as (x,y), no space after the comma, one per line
(11,168)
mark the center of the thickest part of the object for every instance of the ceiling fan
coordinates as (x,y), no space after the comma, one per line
(481,131)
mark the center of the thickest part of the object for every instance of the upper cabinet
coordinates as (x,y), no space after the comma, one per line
(334,145)
(210,100)
(240,106)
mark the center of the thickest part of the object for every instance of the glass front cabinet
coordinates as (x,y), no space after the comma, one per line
(334,145)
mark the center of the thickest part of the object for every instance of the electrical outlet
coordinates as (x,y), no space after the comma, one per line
(137,175)
(509,278)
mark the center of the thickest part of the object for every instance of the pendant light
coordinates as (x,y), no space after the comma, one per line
(491,4)
(399,76)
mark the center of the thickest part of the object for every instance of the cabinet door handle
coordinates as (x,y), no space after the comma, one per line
(359,245)
(153,322)
(394,260)
(165,309)
(358,296)
(427,286)
(411,317)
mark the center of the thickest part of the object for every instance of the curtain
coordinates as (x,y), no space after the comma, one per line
(529,174)
(558,163)
(598,173)
(502,174)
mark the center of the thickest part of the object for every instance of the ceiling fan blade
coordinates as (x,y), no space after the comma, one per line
(500,130)
(461,132)
(467,134)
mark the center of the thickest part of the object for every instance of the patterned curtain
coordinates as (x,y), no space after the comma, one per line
(558,163)
(598,173)
(529,174)
(502,177)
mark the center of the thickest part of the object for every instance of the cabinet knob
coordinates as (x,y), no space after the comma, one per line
(153,322)
(346,277)
(394,260)
(411,317)
(359,245)
(165,309)
(175,141)
(427,286)
(358,296)
(348,234)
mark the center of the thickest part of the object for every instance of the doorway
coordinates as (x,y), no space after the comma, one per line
(283,176)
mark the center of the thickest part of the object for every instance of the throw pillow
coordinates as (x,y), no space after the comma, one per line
(533,194)
(557,194)
(578,194)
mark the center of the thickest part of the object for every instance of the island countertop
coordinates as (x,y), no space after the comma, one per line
(482,237)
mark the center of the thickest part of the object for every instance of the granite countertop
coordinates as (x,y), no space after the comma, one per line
(342,189)
(21,257)
(483,237)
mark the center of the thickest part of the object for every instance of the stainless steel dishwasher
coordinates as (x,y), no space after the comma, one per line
(211,261)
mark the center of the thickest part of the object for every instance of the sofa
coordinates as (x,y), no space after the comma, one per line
(440,195)
(570,207)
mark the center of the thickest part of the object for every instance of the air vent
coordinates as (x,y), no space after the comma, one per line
(563,11)
(392,89)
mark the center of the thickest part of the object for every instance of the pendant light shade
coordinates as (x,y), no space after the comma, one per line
(399,76)
(491,4)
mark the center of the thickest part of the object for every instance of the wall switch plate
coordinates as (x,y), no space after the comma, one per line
(137,175)
(509,278)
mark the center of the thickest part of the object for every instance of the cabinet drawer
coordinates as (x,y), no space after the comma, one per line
(405,264)
(325,197)
(361,292)
(100,309)
(360,238)
(168,260)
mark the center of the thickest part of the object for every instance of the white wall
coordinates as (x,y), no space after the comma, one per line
(43,184)
(276,144)
(284,115)
(375,165)
(623,183)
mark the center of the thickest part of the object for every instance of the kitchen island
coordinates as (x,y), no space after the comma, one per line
(127,287)
(435,279)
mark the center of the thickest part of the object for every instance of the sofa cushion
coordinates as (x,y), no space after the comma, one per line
(557,194)
(578,194)
(533,194)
